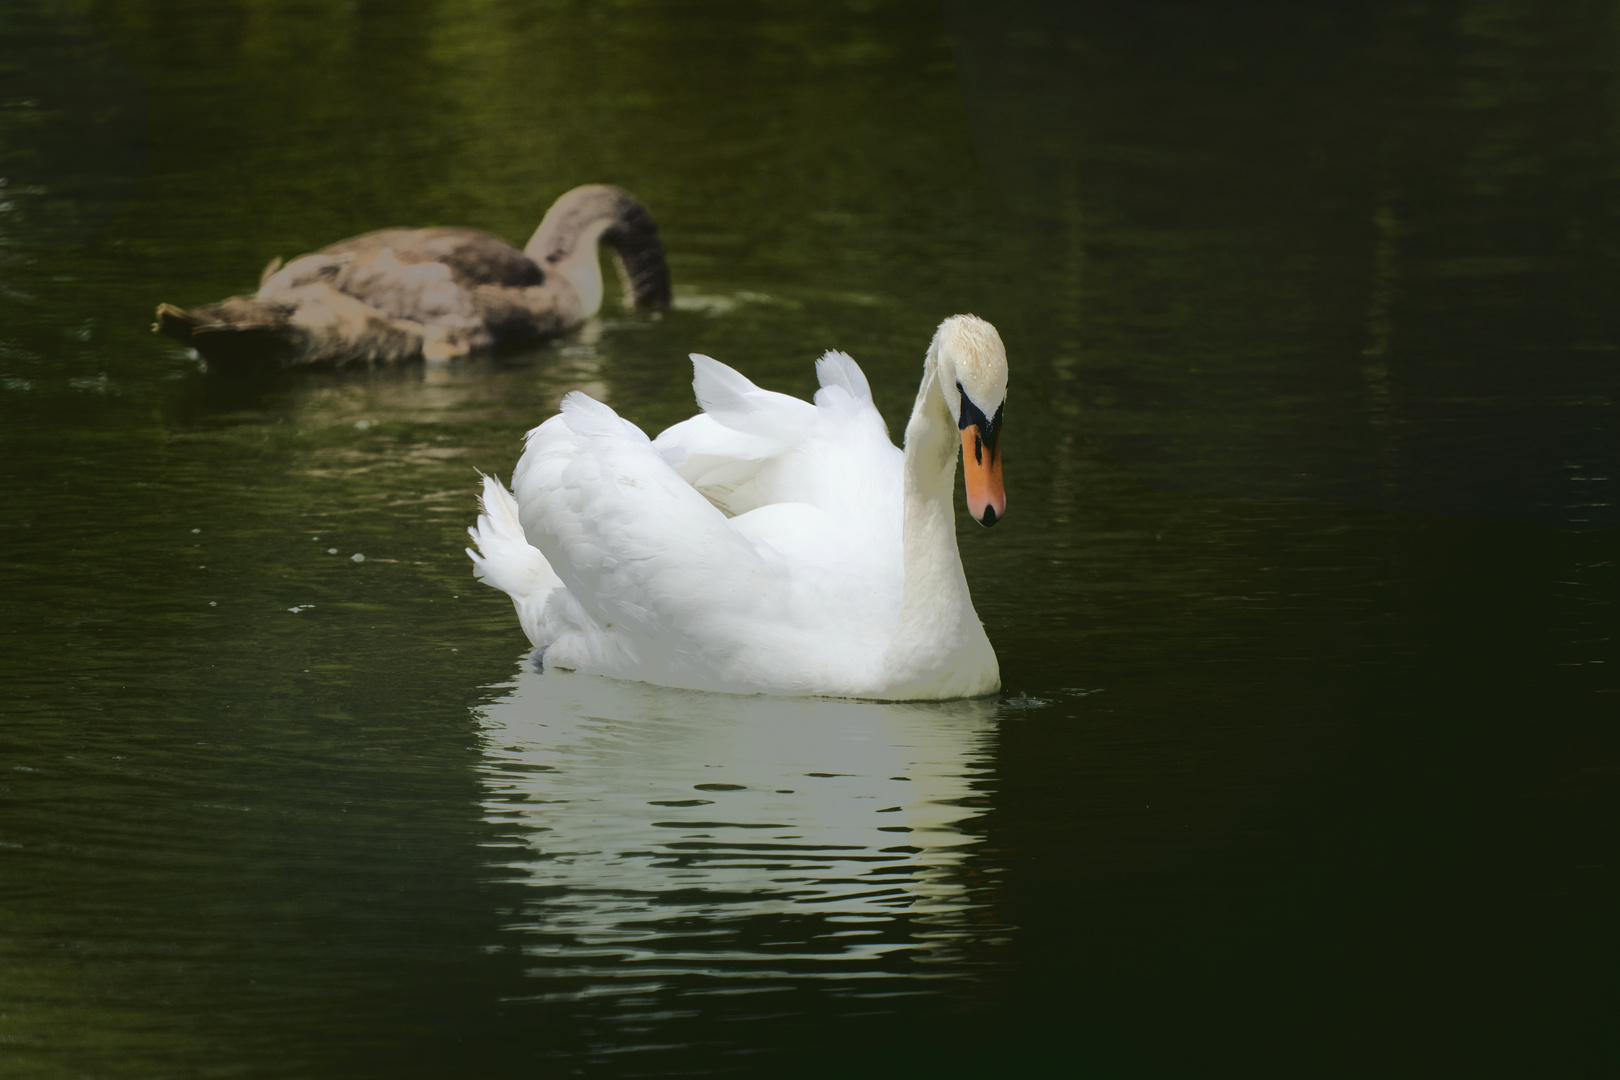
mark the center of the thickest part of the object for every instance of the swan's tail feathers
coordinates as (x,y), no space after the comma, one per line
(241,333)
(837,369)
(505,559)
(734,402)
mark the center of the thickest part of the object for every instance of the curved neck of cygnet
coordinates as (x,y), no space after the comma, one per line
(565,246)
(568,249)
(935,604)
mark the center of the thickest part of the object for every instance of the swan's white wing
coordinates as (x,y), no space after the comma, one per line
(716,460)
(845,465)
(795,592)
(728,396)
(821,485)
(667,589)
(721,450)
(838,372)
(752,448)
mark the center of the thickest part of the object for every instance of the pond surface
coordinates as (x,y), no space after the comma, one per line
(1307,761)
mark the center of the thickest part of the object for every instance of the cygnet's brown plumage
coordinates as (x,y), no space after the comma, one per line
(410,294)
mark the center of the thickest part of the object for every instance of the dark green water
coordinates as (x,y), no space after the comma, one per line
(1308,762)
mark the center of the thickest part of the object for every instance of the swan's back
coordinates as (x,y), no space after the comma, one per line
(472,257)
(658,582)
(751,448)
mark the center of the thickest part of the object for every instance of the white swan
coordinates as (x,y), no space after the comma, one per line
(767,545)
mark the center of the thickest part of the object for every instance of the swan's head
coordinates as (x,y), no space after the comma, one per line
(972,366)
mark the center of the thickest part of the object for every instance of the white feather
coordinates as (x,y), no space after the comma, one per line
(760,547)
(506,560)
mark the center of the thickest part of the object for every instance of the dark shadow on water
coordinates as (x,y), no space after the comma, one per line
(1355,253)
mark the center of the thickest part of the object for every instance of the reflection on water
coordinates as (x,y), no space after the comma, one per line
(739,839)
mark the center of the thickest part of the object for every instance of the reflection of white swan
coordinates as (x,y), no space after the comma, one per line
(661,821)
(767,545)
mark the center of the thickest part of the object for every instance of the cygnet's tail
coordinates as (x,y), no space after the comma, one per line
(505,559)
(242,332)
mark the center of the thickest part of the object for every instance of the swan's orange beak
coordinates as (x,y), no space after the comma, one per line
(981,466)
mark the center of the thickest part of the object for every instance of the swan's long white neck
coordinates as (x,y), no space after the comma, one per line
(939,636)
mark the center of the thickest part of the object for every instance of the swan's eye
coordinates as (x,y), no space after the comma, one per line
(973,416)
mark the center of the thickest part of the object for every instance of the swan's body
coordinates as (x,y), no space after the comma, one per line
(412,294)
(767,545)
